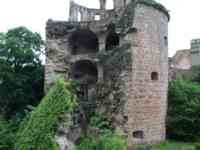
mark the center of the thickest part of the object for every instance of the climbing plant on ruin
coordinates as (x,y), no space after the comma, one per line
(37,131)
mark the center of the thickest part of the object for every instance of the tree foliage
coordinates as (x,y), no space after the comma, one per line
(38,130)
(195,73)
(184,110)
(21,71)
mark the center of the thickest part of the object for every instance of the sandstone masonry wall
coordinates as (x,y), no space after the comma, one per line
(148,99)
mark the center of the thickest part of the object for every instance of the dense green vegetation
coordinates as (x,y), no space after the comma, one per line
(104,141)
(100,123)
(6,134)
(195,74)
(169,145)
(38,130)
(102,136)
(21,71)
(184,110)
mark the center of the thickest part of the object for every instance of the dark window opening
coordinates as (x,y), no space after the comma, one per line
(82,92)
(154,76)
(83,41)
(138,134)
(194,52)
(112,39)
(85,72)
(166,40)
(125,119)
(111,28)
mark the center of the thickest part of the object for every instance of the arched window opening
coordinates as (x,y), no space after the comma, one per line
(85,72)
(154,76)
(83,41)
(97,17)
(109,4)
(79,16)
(112,39)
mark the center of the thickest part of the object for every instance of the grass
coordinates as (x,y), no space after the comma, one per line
(168,145)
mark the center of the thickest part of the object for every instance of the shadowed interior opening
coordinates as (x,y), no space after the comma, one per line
(138,134)
(154,76)
(83,41)
(112,39)
(85,72)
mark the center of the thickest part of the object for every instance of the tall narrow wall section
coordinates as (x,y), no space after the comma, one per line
(148,98)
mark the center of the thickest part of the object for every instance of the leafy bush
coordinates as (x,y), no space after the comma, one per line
(101,136)
(88,143)
(195,73)
(184,110)
(106,141)
(100,122)
(8,130)
(6,135)
(38,130)
(197,147)
(112,141)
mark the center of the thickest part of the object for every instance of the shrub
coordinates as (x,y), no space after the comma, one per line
(106,141)
(37,131)
(6,135)
(197,147)
(88,143)
(8,129)
(100,122)
(195,73)
(184,110)
(112,141)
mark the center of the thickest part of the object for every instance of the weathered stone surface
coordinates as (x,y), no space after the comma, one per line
(132,74)
(181,63)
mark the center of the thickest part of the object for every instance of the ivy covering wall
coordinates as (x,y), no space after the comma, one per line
(37,131)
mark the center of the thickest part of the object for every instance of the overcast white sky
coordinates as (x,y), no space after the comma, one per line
(184,24)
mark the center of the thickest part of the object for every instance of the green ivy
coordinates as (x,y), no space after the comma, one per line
(38,130)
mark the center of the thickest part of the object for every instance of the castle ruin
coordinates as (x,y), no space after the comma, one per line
(181,64)
(120,59)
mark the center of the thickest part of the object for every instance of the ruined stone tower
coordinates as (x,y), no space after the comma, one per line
(120,59)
